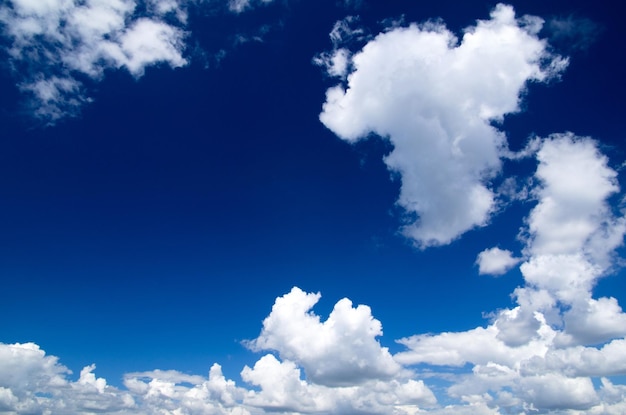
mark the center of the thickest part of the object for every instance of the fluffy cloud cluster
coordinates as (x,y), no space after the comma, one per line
(56,43)
(542,354)
(345,371)
(341,350)
(346,368)
(31,382)
(436,99)
(58,48)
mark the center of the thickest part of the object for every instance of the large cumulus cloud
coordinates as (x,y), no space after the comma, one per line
(340,350)
(435,98)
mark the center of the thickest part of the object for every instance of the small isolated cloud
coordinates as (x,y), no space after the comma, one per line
(239,6)
(435,98)
(495,261)
(336,63)
(33,383)
(55,45)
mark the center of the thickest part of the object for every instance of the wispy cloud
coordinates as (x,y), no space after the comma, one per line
(58,49)
(56,45)
(239,6)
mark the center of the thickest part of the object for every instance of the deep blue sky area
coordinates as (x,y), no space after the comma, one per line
(156,228)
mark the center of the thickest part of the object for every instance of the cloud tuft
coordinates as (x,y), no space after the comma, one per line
(495,261)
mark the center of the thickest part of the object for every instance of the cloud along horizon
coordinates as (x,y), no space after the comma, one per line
(409,85)
(539,356)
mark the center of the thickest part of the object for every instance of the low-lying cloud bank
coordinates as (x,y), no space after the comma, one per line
(346,368)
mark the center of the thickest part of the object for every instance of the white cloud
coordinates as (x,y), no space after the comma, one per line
(58,48)
(179,393)
(592,321)
(579,361)
(336,62)
(496,261)
(435,99)
(553,391)
(282,389)
(572,235)
(31,382)
(505,378)
(148,42)
(56,42)
(478,346)
(572,208)
(345,31)
(239,6)
(541,354)
(343,350)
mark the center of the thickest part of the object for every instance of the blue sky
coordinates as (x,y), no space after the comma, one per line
(190,183)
